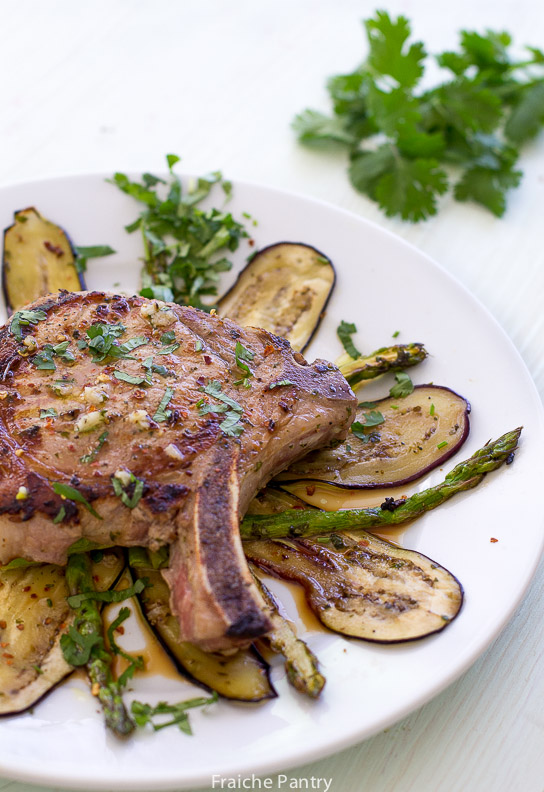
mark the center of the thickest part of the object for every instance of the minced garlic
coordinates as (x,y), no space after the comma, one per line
(123,476)
(158,313)
(140,419)
(90,421)
(94,395)
(173,452)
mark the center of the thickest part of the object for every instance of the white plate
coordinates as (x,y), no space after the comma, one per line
(383,285)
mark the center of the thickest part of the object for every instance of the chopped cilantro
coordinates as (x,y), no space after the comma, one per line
(404,386)
(132,380)
(344,331)
(91,456)
(23,319)
(92,251)
(162,413)
(241,355)
(76,600)
(280,384)
(183,244)
(70,493)
(136,486)
(431,409)
(49,412)
(231,425)
(134,663)
(144,714)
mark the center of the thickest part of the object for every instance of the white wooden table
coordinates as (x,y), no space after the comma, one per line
(114,86)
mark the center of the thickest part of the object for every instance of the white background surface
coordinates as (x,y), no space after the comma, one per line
(114,86)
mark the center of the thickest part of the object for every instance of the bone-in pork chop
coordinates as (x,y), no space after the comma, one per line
(134,422)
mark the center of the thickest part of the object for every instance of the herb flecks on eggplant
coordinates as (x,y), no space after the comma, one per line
(393,441)
(38,259)
(242,676)
(34,614)
(285,289)
(365,587)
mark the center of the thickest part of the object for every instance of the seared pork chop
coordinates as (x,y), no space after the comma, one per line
(163,422)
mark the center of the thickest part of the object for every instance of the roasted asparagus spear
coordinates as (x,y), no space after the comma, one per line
(464,476)
(393,358)
(84,645)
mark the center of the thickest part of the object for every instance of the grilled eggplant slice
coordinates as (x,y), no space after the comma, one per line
(33,616)
(365,587)
(243,676)
(419,432)
(285,289)
(301,665)
(38,259)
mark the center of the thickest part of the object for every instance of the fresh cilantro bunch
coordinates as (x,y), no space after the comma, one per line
(182,242)
(402,140)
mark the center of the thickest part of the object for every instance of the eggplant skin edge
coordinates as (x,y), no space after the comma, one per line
(190,678)
(5,274)
(448,453)
(37,701)
(271,247)
(418,638)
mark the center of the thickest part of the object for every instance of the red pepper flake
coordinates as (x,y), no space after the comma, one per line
(33,596)
(207,360)
(3,625)
(71,447)
(310,490)
(120,630)
(21,627)
(26,588)
(9,662)
(8,656)
(250,242)
(493,539)
(4,644)
(364,542)
(48,620)
(268,350)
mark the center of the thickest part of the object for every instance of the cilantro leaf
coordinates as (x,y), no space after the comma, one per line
(527,116)
(24,318)
(144,714)
(135,487)
(388,54)
(488,187)
(404,386)
(242,354)
(76,600)
(92,251)
(71,493)
(162,414)
(408,187)
(317,129)
(344,332)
